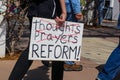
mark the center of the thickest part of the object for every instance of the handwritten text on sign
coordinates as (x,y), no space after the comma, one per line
(50,42)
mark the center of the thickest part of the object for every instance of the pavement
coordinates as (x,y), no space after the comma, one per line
(95,51)
(39,72)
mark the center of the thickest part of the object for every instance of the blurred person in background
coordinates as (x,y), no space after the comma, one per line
(98,12)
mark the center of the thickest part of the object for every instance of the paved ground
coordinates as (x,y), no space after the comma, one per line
(39,72)
(94,53)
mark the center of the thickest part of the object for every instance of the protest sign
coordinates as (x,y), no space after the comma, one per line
(51,42)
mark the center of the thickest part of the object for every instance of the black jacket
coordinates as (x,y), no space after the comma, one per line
(42,8)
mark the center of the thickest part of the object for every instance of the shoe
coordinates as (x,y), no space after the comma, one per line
(73,67)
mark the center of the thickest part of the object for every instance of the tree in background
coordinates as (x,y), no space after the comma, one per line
(14,18)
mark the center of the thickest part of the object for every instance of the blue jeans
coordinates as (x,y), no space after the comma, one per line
(112,66)
(69,62)
(100,11)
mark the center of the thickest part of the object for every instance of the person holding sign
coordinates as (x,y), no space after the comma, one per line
(74,14)
(52,9)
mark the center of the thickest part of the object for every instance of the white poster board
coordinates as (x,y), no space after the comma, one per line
(50,42)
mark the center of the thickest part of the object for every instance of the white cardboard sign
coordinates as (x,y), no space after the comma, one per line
(50,42)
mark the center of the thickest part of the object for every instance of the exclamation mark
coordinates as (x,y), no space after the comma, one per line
(78,54)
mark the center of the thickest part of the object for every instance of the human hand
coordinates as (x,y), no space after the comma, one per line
(60,20)
(79,16)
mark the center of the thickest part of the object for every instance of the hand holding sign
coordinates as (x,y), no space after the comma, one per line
(51,43)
